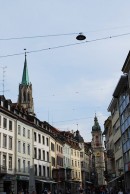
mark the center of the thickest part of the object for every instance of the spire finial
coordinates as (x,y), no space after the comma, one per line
(25,77)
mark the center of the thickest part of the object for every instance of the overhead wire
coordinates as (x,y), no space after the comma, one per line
(60,34)
(65,45)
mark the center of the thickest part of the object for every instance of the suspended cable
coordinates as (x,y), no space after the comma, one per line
(66,45)
(64,34)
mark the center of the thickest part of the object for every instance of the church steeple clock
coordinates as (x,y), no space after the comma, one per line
(25,98)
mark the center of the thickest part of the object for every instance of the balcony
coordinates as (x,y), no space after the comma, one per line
(110,153)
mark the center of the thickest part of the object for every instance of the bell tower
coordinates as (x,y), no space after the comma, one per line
(98,151)
(25,98)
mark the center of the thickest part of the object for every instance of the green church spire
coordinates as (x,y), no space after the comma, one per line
(96,126)
(25,77)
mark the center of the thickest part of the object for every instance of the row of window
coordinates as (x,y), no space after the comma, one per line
(41,154)
(59,149)
(75,163)
(75,175)
(7,141)
(22,166)
(127,157)
(40,139)
(23,148)
(4,162)
(40,170)
(126,146)
(75,153)
(6,124)
(22,131)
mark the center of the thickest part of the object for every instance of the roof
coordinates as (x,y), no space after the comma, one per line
(112,104)
(126,66)
(121,83)
(78,137)
(25,77)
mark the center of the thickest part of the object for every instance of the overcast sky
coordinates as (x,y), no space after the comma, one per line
(70,84)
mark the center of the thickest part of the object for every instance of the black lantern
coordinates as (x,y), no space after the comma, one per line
(81,37)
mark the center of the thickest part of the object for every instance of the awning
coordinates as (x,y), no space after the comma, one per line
(89,182)
(114,179)
(45,181)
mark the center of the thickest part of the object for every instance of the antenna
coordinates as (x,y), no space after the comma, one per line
(3,80)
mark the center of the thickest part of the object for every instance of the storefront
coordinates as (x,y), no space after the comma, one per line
(22,183)
(8,183)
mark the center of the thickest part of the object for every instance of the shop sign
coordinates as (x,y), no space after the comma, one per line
(7,177)
(22,178)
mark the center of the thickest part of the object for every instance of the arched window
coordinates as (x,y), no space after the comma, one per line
(24,96)
(28,96)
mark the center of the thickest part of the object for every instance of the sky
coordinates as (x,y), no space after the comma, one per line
(70,83)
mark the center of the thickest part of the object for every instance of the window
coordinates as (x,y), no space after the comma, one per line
(52,147)
(47,143)
(28,149)
(47,156)
(35,136)
(48,172)
(43,140)
(39,138)
(0,139)
(19,130)
(10,143)
(23,131)
(23,165)
(39,154)
(10,125)
(4,160)
(19,165)
(57,147)
(4,140)
(4,123)
(23,148)
(28,134)
(53,161)
(44,171)
(81,154)
(10,162)
(40,170)
(35,169)
(19,146)
(43,152)
(35,153)
(0,121)
(28,166)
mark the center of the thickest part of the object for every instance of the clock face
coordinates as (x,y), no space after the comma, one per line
(98,154)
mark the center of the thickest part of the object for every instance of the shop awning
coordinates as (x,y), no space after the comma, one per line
(88,182)
(114,179)
(45,181)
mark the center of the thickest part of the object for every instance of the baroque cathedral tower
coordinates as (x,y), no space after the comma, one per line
(25,98)
(98,151)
